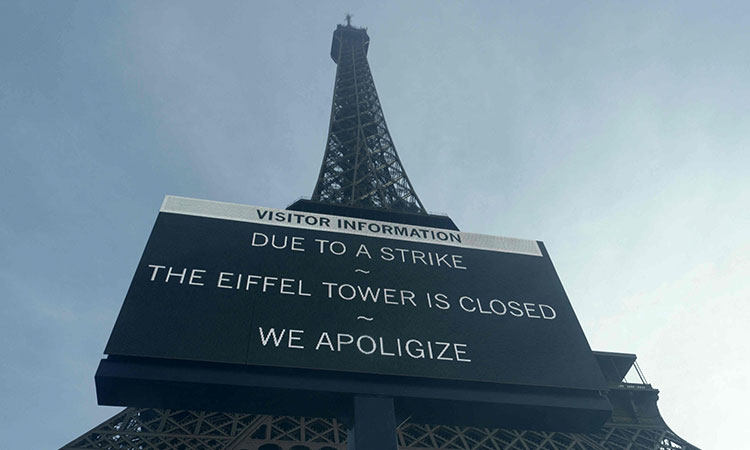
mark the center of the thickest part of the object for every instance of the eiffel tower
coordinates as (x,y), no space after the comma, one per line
(362,176)
(360,166)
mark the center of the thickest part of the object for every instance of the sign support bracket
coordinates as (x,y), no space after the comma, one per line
(374,424)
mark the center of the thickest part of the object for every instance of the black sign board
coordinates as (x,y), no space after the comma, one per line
(260,287)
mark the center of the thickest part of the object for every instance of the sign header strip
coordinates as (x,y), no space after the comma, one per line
(347,225)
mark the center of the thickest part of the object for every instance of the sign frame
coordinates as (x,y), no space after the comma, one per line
(164,382)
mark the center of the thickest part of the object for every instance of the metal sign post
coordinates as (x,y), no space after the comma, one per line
(374,424)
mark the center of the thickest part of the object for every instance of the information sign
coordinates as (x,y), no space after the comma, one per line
(257,286)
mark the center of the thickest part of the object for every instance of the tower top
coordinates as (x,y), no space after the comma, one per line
(349,34)
(360,168)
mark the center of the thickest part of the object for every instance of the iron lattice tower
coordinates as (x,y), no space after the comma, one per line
(636,424)
(360,166)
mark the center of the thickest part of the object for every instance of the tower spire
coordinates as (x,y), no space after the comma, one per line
(360,166)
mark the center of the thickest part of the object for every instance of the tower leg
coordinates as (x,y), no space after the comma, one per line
(374,425)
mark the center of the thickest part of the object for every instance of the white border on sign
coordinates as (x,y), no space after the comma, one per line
(312,221)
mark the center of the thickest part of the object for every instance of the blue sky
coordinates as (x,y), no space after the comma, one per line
(615,132)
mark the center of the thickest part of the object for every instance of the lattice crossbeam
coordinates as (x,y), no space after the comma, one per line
(152,429)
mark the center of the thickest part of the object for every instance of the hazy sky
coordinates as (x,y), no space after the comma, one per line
(617,133)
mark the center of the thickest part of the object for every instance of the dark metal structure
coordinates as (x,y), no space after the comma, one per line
(360,166)
(361,173)
(635,425)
